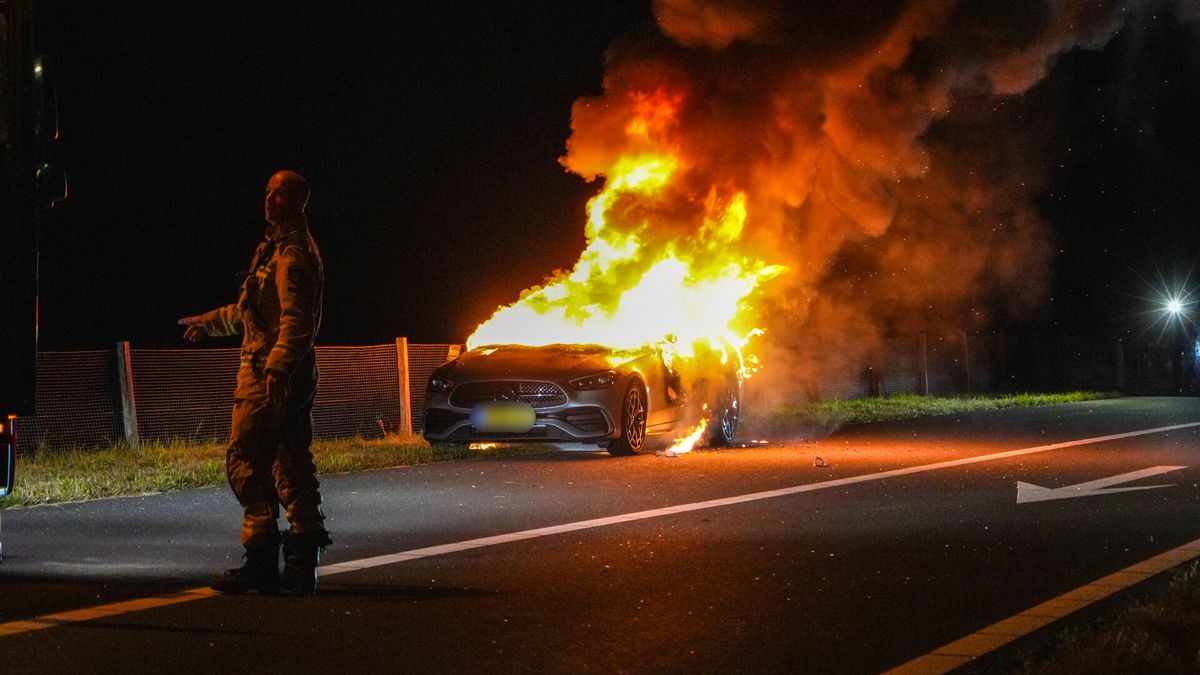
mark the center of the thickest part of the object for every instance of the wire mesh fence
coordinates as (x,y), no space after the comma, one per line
(182,393)
(94,398)
(77,401)
(901,367)
(954,364)
(187,394)
(359,392)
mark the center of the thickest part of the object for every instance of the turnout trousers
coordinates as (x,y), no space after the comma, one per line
(269,463)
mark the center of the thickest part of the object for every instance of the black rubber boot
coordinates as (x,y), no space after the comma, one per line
(259,572)
(301,555)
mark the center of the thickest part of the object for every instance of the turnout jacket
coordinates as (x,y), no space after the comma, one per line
(278,313)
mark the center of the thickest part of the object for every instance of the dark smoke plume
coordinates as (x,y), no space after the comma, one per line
(889,151)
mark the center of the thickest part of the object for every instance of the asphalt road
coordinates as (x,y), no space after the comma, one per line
(857,576)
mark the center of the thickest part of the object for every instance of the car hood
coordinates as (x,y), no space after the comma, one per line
(514,361)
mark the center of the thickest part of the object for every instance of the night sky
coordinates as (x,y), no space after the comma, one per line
(431,134)
(1125,200)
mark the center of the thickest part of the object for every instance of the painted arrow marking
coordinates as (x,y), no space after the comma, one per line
(1028,492)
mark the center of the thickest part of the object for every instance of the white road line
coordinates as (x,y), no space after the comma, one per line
(190,595)
(405,556)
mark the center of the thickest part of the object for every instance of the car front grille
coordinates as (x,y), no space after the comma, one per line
(536,394)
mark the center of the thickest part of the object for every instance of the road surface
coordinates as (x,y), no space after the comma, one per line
(910,537)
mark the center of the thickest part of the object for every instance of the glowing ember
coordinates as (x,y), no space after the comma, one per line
(482,446)
(633,286)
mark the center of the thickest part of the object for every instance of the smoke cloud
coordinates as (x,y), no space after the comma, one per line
(890,155)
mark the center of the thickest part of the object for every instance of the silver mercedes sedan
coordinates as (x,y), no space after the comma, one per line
(569,394)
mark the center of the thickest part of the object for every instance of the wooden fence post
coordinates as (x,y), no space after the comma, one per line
(129,427)
(406,426)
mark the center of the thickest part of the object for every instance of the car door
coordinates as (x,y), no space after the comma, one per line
(666,398)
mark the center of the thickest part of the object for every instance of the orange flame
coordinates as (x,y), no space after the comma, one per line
(628,288)
(685,444)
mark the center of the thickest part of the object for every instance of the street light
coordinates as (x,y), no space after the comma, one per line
(1174,306)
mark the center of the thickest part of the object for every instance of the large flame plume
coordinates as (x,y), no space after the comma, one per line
(887,155)
(631,287)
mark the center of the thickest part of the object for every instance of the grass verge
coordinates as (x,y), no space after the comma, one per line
(1160,634)
(47,476)
(834,413)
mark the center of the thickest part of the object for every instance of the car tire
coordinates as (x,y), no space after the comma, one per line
(633,422)
(726,410)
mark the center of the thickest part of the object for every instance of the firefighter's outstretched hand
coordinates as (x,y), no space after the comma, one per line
(195,328)
(277,388)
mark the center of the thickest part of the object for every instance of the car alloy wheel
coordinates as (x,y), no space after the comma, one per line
(725,419)
(635,418)
(633,422)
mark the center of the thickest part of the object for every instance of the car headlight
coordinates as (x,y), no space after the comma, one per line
(440,384)
(595,381)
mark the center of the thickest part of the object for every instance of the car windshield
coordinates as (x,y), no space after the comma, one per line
(564,348)
(614,356)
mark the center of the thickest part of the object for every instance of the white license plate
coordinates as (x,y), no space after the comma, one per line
(503,417)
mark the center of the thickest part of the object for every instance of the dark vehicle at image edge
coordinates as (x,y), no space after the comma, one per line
(570,394)
(32,183)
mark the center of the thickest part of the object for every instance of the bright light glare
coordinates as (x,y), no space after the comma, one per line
(1174,306)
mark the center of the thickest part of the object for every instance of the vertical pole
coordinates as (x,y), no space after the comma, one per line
(129,427)
(967,361)
(922,366)
(406,427)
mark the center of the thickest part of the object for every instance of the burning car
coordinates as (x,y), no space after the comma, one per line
(569,393)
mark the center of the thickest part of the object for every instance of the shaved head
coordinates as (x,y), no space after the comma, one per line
(286,198)
(295,184)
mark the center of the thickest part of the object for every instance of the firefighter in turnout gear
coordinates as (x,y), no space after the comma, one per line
(268,461)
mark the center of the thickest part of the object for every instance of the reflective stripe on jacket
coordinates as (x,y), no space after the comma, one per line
(278,311)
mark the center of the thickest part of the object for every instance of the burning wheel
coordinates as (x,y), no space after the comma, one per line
(723,426)
(633,423)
